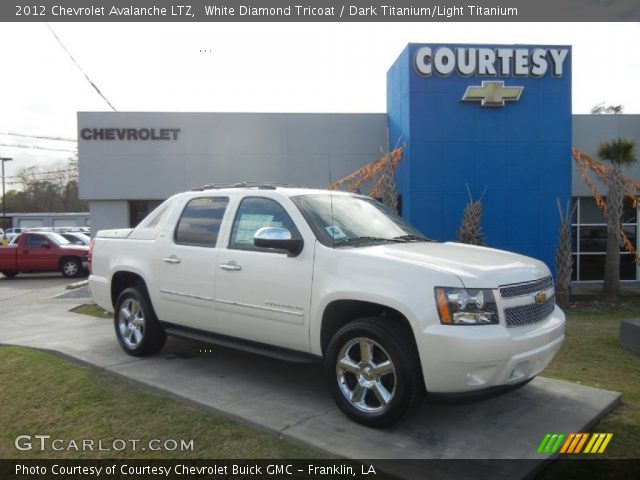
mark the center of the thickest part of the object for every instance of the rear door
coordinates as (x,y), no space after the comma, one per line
(263,295)
(187,265)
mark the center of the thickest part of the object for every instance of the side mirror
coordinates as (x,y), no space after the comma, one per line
(278,239)
(46,245)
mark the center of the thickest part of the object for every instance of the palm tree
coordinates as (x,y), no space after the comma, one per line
(617,153)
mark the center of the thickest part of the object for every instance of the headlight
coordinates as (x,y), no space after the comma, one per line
(466,306)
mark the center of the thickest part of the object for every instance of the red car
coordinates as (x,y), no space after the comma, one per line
(43,252)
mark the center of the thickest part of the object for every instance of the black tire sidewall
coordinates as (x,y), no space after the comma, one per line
(406,382)
(153,337)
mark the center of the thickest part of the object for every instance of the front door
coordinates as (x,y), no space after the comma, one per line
(263,295)
(37,253)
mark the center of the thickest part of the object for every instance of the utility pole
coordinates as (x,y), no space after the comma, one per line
(4,206)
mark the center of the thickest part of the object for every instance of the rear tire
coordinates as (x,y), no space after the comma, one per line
(373,371)
(137,327)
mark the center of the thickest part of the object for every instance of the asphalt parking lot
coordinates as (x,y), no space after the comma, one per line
(32,287)
(292,399)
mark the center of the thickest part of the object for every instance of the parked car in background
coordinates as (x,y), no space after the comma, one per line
(13,232)
(43,252)
(77,238)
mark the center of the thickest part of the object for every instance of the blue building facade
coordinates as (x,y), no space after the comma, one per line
(494,117)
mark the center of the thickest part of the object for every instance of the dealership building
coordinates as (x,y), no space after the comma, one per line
(480,118)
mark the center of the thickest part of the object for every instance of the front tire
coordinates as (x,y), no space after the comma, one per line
(373,371)
(70,267)
(136,324)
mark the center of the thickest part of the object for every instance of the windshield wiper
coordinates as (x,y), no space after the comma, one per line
(344,241)
(412,238)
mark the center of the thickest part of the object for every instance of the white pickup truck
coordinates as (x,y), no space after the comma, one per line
(306,274)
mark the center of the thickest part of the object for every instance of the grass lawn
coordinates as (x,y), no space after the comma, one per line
(91,309)
(592,356)
(45,394)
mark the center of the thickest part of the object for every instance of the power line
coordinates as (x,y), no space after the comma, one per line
(35,147)
(42,137)
(95,87)
(48,172)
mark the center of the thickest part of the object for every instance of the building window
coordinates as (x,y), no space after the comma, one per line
(589,239)
(138,209)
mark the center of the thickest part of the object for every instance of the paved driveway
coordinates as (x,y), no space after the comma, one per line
(291,399)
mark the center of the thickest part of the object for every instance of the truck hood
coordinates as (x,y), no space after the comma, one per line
(475,267)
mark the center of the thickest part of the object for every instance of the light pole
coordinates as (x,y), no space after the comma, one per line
(4,206)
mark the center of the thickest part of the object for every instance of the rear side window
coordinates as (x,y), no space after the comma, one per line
(200,221)
(255,213)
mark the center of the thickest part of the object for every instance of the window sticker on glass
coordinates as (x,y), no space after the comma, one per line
(248,225)
(335,232)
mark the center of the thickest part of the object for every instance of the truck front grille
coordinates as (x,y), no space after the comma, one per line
(528,314)
(520,289)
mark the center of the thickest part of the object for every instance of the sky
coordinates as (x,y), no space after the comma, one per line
(256,67)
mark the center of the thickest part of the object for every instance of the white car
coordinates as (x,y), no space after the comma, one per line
(13,232)
(330,276)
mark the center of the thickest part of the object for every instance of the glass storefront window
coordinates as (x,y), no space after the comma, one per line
(589,241)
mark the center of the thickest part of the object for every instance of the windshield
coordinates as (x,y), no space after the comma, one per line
(57,239)
(340,220)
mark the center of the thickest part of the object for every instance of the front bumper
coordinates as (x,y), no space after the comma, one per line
(457,359)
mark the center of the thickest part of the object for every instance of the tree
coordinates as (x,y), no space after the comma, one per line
(564,256)
(470,230)
(617,153)
(50,189)
(602,108)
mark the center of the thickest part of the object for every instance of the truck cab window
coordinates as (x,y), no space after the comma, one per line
(255,213)
(200,221)
(36,241)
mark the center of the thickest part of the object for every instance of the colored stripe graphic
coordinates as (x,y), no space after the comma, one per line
(598,443)
(574,443)
(550,443)
(567,443)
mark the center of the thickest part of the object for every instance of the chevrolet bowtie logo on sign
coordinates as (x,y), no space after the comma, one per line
(575,443)
(492,94)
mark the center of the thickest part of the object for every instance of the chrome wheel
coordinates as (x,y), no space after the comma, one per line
(131,322)
(366,375)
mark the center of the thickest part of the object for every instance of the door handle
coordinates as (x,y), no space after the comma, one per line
(231,266)
(171,259)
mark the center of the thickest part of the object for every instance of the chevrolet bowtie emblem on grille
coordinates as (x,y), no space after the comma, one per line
(540,297)
(492,94)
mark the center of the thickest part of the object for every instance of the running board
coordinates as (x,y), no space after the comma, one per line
(239,344)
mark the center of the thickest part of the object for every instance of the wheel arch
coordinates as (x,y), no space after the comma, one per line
(340,312)
(123,279)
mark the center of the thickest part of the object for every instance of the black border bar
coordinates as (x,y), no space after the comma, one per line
(320,11)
